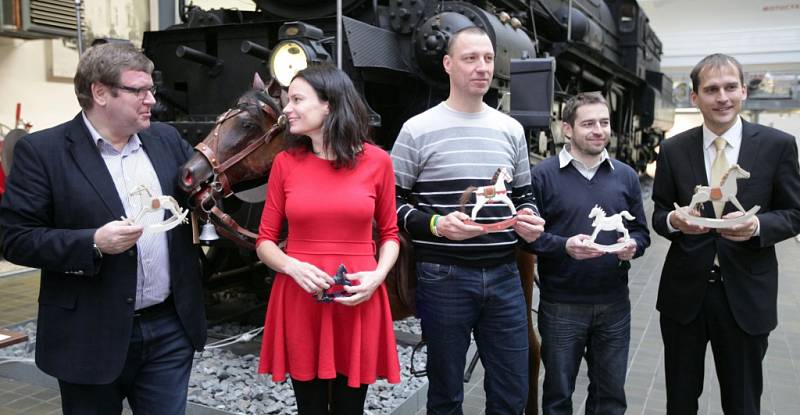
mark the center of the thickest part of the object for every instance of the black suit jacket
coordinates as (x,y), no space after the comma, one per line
(58,193)
(750,268)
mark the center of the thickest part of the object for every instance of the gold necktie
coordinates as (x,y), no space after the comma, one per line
(718,169)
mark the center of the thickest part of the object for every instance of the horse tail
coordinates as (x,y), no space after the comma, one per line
(626,215)
(466,196)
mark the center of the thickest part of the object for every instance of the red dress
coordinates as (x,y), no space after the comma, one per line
(330,214)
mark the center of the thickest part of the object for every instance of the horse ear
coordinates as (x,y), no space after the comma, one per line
(258,83)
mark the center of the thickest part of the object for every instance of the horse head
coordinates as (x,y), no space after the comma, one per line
(503,172)
(239,148)
(596,211)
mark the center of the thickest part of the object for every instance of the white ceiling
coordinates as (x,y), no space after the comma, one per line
(760,33)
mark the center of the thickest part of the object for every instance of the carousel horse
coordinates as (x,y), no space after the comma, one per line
(490,194)
(609,223)
(726,192)
(150,204)
(241,147)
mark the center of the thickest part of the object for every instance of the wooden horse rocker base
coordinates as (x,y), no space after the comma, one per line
(726,192)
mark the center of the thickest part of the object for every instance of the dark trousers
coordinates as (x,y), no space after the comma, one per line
(154,379)
(454,302)
(601,333)
(737,357)
(329,396)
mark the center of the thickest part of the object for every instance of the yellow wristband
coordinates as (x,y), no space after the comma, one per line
(434,231)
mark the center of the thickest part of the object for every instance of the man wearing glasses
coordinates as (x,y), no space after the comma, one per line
(120,310)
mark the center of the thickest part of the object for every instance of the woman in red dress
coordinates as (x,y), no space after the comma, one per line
(329,187)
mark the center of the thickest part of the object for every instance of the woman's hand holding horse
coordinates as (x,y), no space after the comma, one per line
(362,290)
(307,276)
(452,226)
(577,249)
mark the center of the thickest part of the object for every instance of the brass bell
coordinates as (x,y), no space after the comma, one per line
(209,234)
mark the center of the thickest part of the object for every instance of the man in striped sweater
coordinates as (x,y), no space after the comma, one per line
(467,279)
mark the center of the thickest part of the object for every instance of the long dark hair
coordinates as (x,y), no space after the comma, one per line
(346,128)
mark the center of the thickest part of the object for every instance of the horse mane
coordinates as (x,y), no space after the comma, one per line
(603,212)
(728,173)
(496,175)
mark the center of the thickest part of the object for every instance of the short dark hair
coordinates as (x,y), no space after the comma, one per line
(346,128)
(715,61)
(105,63)
(570,110)
(475,30)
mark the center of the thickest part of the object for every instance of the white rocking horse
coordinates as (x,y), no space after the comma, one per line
(490,194)
(609,223)
(725,192)
(149,203)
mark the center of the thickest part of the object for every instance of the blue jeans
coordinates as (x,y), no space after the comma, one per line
(454,301)
(155,377)
(601,333)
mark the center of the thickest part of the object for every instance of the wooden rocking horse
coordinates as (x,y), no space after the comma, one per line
(149,204)
(725,192)
(492,193)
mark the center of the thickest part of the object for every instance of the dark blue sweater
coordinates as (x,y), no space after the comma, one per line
(565,199)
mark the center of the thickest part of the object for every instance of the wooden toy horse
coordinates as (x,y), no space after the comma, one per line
(609,223)
(490,194)
(149,204)
(724,193)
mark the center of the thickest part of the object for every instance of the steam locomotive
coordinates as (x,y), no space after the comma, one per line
(546,51)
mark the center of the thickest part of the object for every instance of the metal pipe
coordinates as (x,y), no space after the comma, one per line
(80,32)
(195,55)
(339,34)
(254,49)
(569,22)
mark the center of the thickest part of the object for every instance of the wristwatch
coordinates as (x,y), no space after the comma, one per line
(97,253)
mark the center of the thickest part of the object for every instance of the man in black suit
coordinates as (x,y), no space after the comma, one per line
(120,310)
(722,285)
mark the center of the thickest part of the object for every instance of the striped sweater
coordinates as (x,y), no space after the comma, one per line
(441,152)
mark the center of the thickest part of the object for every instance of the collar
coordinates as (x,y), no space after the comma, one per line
(134,143)
(565,157)
(733,136)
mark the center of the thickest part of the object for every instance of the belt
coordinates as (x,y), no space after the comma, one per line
(715,275)
(156,310)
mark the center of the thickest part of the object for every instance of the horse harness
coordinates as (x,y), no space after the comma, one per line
(210,154)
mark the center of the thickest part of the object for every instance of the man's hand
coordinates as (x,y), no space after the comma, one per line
(678,222)
(452,227)
(529,226)
(117,236)
(740,232)
(307,276)
(577,250)
(628,251)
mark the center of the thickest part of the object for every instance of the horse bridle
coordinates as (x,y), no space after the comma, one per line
(224,187)
(220,185)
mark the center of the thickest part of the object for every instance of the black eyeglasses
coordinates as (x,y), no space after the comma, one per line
(140,93)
